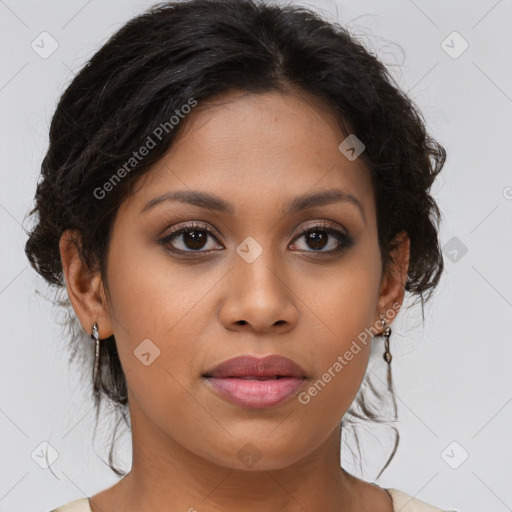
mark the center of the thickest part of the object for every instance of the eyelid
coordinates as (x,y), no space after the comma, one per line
(322,223)
(193,224)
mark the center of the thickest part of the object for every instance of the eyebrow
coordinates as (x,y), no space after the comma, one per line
(215,203)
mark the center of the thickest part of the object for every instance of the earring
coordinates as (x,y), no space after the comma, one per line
(386,333)
(96,337)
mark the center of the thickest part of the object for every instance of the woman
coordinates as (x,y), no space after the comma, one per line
(236,198)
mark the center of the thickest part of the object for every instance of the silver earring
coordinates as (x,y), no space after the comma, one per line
(96,337)
(386,333)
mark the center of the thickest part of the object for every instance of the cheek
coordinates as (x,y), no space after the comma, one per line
(332,391)
(158,314)
(158,321)
(340,360)
(343,297)
(342,310)
(151,293)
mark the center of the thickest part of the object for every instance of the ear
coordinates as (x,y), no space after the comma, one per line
(392,288)
(85,287)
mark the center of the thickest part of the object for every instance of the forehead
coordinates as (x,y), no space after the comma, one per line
(258,148)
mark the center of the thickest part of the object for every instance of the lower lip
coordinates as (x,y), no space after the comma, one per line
(256,394)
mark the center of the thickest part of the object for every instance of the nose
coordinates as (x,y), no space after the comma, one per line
(258,297)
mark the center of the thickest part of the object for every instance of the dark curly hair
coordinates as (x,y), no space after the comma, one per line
(175,51)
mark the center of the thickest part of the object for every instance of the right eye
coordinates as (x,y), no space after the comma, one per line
(192,237)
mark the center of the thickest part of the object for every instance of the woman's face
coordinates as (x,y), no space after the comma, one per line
(244,281)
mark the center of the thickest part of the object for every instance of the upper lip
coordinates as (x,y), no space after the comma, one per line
(252,366)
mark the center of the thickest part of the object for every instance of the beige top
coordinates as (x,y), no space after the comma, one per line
(401,503)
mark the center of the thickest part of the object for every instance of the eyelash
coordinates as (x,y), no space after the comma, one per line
(343,238)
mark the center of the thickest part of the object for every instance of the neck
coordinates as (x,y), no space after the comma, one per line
(167,476)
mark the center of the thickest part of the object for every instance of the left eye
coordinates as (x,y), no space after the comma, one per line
(319,237)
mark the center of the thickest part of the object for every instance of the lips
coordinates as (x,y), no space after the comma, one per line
(256,382)
(257,368)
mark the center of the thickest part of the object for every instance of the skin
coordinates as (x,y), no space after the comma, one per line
(256,152)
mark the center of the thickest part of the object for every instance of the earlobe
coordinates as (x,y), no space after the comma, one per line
(83,286)
(393,284)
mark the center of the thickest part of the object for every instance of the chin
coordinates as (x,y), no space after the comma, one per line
(257,455)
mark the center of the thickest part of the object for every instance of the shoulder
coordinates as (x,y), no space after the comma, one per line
(80,505)
(404,503)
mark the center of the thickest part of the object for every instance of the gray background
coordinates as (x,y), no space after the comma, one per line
(452,374)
